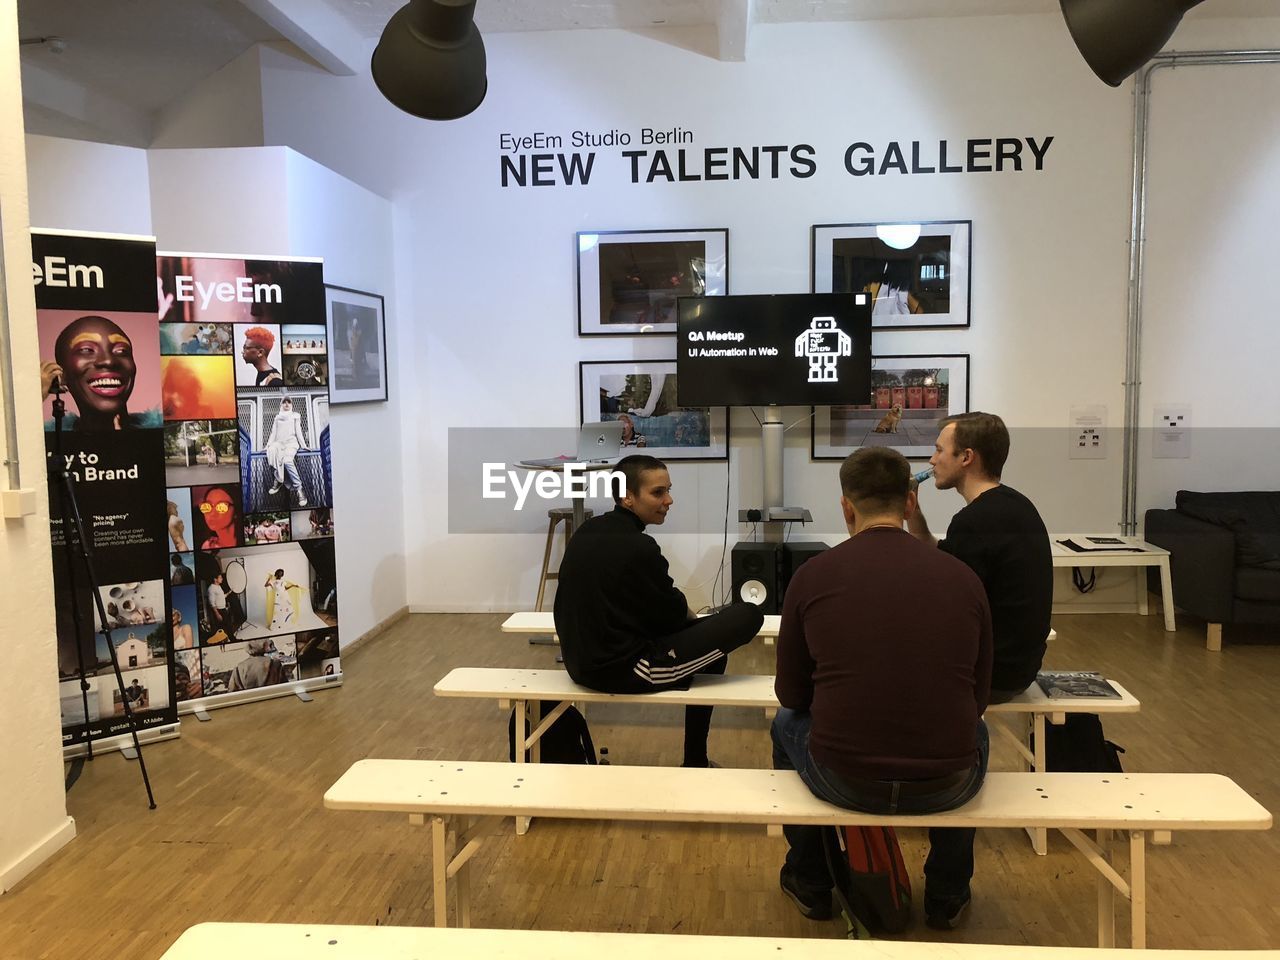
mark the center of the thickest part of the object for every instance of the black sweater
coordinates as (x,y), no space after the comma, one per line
(1003,540)
(614,597)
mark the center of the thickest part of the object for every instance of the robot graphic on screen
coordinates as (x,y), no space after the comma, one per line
(823,343)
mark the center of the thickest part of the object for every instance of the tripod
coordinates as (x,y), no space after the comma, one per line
(73,522)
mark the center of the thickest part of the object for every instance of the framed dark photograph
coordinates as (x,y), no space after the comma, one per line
(357,344)
(910,395)
(628,280)
(642,394)
(917,273)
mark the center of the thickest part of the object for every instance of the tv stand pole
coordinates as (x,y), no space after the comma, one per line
(772,512)
(771,444)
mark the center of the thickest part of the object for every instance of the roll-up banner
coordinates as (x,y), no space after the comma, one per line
(249,500)
(96,318)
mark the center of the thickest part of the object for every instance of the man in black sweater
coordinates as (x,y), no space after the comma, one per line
(884,657)
(1000,535)
(624,627)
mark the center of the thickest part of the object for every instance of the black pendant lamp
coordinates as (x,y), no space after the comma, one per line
(430,61)
(1116,37)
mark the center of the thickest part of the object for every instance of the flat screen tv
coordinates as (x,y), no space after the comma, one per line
(800,348)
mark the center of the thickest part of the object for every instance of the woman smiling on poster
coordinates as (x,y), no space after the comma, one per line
(93,360)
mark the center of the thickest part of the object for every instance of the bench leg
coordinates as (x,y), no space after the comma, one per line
(1030,760)
(463,885)
(439,871)
(1106,896)
(1138,889)
(522,735)
(1039,835)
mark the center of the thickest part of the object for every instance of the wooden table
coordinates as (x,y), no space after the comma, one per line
(1150,556)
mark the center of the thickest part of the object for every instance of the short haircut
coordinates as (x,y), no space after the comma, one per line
(633,468)
(262,337)
(876,480)
(986,435)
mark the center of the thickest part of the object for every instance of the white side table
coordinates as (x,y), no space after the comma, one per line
(1150,556)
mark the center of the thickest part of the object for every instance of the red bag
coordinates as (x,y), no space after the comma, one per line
(871,882)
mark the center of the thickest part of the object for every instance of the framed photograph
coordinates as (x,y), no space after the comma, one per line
(642,394)
(910,395)
(357,343)
(628,280)
(917,273)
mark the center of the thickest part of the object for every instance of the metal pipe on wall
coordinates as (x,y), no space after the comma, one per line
(1137,239)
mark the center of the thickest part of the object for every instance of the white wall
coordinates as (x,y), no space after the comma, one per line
(1210,331)
(224,110)
(1049,248)
(67,186)
(33,805)
(273,201)
(331,217)
(266,201)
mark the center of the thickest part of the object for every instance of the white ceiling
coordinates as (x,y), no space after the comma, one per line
(125,59)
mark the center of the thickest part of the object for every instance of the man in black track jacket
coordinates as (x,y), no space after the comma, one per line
(624,626)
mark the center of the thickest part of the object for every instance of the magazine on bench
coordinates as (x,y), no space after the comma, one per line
(1075,684)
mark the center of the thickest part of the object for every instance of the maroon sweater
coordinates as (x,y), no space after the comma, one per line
(886,641)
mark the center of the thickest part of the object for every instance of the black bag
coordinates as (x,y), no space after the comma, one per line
(872,886)
(566,741)
(1079,746)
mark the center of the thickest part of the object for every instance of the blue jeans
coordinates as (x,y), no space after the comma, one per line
(949,867)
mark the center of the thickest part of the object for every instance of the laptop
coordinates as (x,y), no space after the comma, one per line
(598,443)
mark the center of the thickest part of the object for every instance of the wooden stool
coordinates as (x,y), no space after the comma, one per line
(555,515)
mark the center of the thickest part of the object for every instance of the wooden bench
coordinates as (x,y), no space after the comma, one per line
(486,793)
(286,941)
(1023,718)
(543,622)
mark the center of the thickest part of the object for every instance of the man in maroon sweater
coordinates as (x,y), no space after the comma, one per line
(884,665)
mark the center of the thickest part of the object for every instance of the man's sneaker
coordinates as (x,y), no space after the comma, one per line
(947,914)
(275,488)
(815,906)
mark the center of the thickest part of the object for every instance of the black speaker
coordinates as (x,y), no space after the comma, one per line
(794,554)
(754,568)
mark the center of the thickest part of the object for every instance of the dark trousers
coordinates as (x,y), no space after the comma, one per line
(671,663)
(949,867)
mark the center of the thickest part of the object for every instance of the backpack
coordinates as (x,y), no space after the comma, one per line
(872,886)
(568,740)
(1079,746)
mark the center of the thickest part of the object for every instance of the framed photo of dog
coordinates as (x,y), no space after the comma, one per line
(917,273)
(628,280)
(642,394)
(910,396)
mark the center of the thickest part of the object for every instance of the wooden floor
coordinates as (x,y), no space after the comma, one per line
(240,833)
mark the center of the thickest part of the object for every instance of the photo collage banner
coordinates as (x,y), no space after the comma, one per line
(197,428)
(244,386)
(100,352)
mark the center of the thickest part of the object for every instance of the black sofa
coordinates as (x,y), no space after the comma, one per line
(1225,559)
